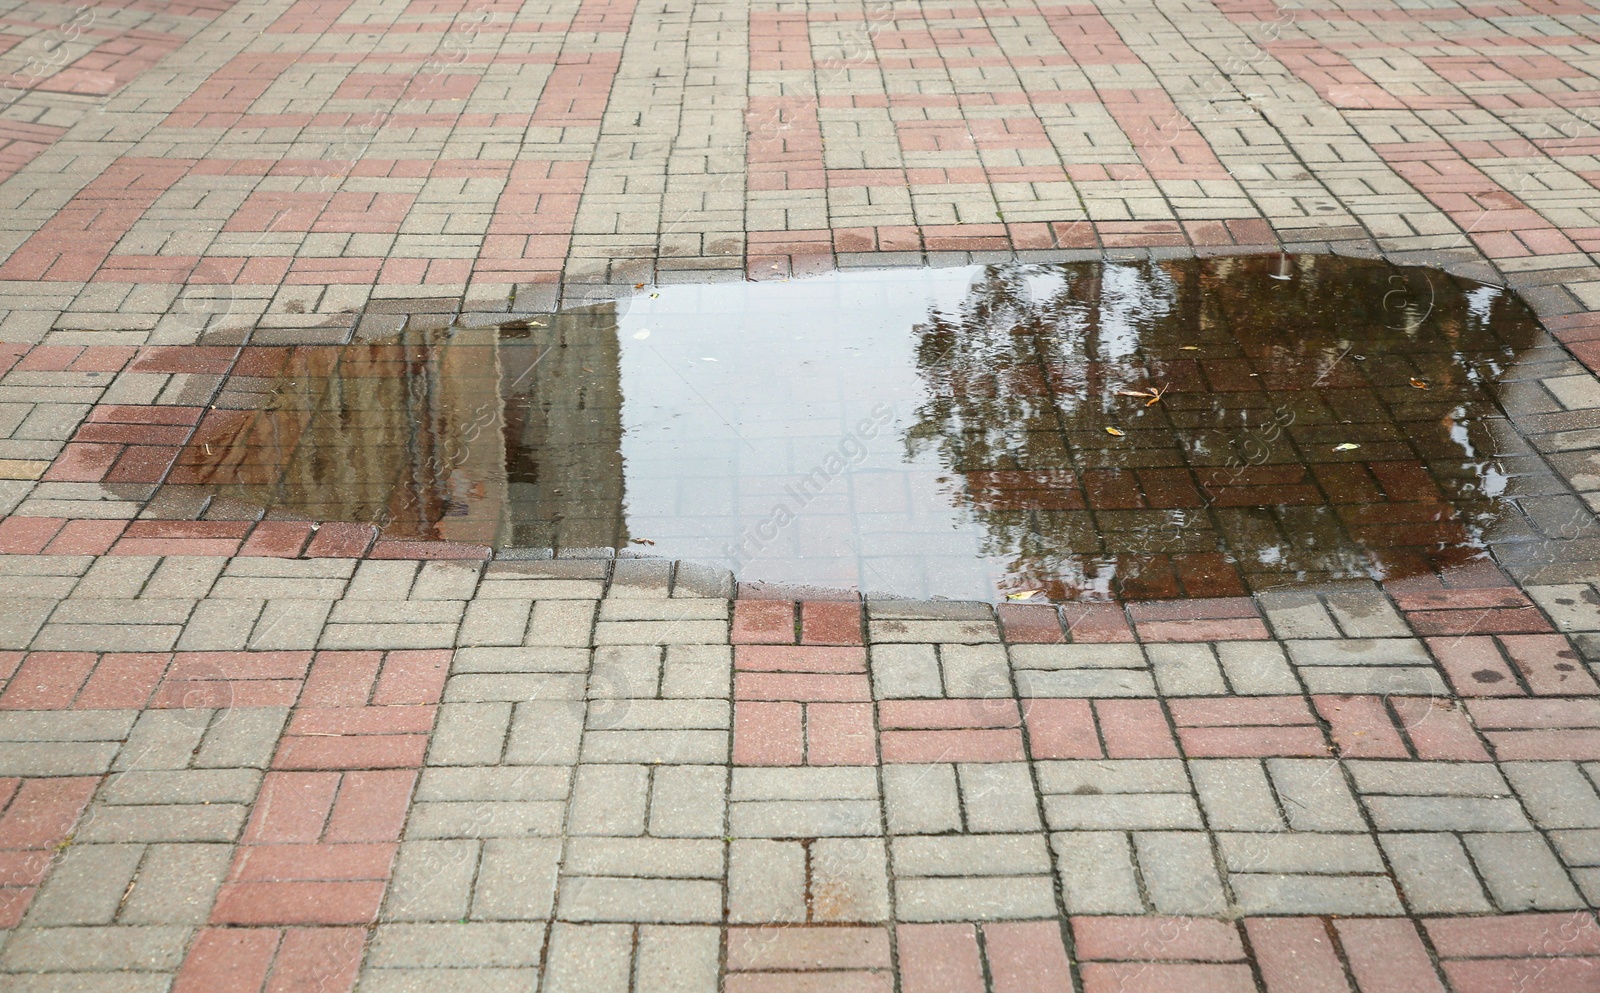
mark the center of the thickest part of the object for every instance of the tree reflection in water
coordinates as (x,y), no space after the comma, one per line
(1235,479)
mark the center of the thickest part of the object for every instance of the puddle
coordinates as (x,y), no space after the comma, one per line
(935,432)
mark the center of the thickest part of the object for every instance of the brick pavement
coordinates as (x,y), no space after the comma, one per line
(286,756)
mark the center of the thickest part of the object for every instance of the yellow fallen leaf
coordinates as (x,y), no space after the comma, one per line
(1189,348)
(1418,384)
(1346,447)
(1024,595)
(1114,431)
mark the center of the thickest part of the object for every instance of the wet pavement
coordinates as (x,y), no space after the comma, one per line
(444,447)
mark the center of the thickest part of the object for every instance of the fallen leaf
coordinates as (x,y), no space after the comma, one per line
(638,286)
(642,541)
(1114,431)
(1024,595)
(1133,393)
(1189,348)
(1418,384)
(1346,447)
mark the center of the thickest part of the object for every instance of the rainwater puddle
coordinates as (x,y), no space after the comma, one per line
(1132,430)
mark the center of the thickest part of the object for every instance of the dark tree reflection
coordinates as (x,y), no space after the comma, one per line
(1241,476)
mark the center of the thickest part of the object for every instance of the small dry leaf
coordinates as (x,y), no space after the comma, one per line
(1023,595)
(1189,348)
(1418,384)
(638,286)
(1114,431)
(1348,446)
(642,541)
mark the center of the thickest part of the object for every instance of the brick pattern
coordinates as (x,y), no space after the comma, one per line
(619,772)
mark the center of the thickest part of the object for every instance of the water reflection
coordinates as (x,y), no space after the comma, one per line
(927,432)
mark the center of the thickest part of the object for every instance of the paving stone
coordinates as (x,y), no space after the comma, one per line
(1179,872)
(95,949)
(998,797)
(1235,795)
(432,881)
(921,799)
(766,881)
(1434,873)
(1521,872)
(86,886)
(1097,872)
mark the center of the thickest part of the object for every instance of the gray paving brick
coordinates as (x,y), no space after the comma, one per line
(289,625)
(998,797)
(971,855)
(56,758)
(1287,894)
(469,733)
(609,800)
(1445,813)
(1097,683)
(241,737)
(625,672)
(161,822)
(186,786)
(589,958)
(973,899)
(1387,680)
(652,747)
(176,884)
(1358,652)
(688,801)
(1521,872)
(494,783)
(1097,872)
(86,885)
(486,819)
(697,671)
(922,799)
(1077,656)
(382,580)
(1257,667)
(1429,778)
(766,881)
(495,622)
(432,881)
(667,901)
(1434,873)
(849,880)
(1186,670)
(1295,615)
(1235,795)
(545,732)
(445,580)
(516,879)
(1299,852)
(905,671)
(1556,794)
(1366,615)
(561,622)
(456,946)
(655,858)
(678,959)
(979,671)
(1315,795)
(95,949)
(65,725)
(1179,872)
(163,739)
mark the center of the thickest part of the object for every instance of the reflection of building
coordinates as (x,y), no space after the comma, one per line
(563,432)
(491,435)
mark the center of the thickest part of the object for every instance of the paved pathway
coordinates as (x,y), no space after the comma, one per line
(281,756)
